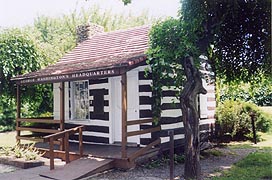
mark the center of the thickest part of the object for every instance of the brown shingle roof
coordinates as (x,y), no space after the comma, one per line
(102,52)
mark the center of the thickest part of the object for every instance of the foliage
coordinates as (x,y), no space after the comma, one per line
(234,34)
(7,111)
(18,55)
(6,128)
(27,152)
(233,117)
(169,45)
(258,91)
(126,2)
(256,165)
(242,44)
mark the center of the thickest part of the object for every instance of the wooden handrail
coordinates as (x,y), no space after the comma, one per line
(41,117)
(139,121)
(38,120)
(139,132)
(64,135)
(144,131)
(144,149)
(41,130)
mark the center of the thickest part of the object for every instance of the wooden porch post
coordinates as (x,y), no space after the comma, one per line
(62,111)
(124,115)
(18,115)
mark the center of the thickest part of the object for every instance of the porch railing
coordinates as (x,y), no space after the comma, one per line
(37,128)
(140,132)
(60,135)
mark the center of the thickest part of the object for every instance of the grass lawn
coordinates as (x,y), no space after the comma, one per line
(257,165)
(8,139)
(267,109)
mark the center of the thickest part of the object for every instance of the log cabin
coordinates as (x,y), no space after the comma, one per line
(103,85)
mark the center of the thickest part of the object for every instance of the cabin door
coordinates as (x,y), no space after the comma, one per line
(133,103)
(132,106)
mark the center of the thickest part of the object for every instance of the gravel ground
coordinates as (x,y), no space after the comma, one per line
(211,166)
(7,168)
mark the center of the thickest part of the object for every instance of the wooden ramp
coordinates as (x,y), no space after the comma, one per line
(79,168)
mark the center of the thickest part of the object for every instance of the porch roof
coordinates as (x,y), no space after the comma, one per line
(103,55)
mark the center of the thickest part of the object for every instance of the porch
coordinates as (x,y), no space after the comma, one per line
(52,137)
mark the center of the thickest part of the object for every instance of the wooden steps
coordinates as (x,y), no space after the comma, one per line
(80,168)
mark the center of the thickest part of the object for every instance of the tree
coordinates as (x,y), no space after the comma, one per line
(242,39)
(235,35)
(18,55)
(171,57)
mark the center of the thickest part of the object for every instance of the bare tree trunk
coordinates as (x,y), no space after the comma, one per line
(193,86)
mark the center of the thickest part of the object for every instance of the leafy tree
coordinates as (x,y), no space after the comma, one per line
(242,40)
(18,55)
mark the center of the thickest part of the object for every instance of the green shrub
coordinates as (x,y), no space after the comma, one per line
(27,152)
(233,118)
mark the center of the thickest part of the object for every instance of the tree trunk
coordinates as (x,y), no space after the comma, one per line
(193,86)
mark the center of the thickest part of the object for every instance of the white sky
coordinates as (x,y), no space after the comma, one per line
(17,13)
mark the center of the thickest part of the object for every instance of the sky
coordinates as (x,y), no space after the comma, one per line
(18,13)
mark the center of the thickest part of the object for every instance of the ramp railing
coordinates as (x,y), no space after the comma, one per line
(64,135)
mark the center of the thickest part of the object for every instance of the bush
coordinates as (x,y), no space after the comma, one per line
(27,152)
(233,118)
(7,112)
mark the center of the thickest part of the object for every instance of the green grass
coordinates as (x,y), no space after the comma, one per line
(8,139)
(267,109)
(257,165)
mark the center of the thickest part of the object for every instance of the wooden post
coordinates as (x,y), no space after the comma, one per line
(171,138)
(80,138)
(62,112)
(18,115)
(124,115)
(67,158)
(252,115)
(51,153)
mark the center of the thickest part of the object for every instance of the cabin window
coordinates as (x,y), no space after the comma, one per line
(80,100)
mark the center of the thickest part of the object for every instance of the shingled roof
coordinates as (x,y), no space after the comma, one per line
(103,55)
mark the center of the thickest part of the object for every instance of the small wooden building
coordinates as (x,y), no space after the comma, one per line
(102,85)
